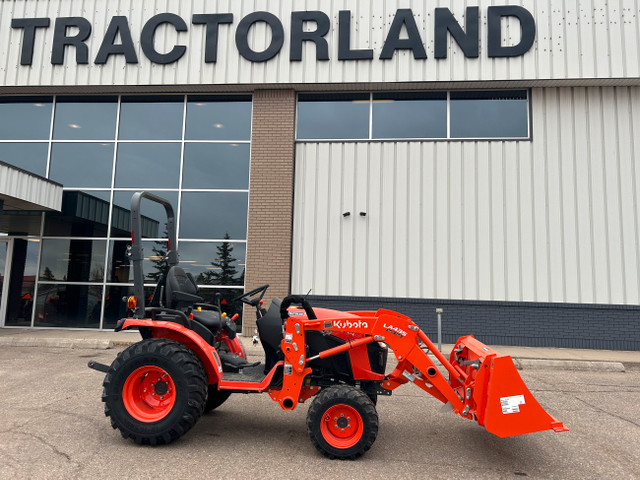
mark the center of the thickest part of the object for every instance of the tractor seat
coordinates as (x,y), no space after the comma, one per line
(181,290)
(209,318)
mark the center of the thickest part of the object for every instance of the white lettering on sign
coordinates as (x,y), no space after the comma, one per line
(347,324)
(395,330)
(511,404)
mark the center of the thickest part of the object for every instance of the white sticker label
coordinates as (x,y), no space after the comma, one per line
(511,404)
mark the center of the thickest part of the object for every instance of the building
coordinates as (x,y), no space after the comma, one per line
(478,157)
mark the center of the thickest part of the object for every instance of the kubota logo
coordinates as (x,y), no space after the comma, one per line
(395,330)
(346,324)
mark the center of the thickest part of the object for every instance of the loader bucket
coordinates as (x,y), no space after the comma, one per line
(503,403)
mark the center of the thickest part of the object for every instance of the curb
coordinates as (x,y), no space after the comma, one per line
(520,363)
(56,343)
(577,365)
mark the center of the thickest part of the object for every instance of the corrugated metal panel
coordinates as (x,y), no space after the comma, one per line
(550,220)
(21,190)
(575,40)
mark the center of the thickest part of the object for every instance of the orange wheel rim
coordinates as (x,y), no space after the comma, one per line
(342,426)
(149,394)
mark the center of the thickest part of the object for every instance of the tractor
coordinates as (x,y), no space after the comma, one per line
(190,360)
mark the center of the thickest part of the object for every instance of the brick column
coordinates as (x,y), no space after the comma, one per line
(270,196)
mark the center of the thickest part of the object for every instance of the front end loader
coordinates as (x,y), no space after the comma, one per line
(190,361)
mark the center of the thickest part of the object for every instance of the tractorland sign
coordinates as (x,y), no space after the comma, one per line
(72,33)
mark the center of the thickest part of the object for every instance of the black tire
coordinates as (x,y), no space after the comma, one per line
(178,375)
(215,398)
(342,422)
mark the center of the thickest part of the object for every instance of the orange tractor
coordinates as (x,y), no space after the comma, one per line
(190,361)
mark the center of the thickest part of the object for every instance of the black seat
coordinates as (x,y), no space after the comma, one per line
(181,289)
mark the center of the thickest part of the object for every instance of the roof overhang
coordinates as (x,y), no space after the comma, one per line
(22,190)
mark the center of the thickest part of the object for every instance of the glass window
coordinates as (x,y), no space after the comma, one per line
(83,165)
(214,263)
(410,115)
(31,157)
(216,165)
(20,299)
(85,118)
(114,307)
(154,216)
(25,118)
(213,215)
(148,165)
(83,214)
(333,116)
(21,222)
(76,306)
(70,260)
(489,114)
(151,118)
(212,119)
(154,264)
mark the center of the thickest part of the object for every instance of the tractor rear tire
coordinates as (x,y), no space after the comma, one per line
(342,422)
(215,398)
(155,391)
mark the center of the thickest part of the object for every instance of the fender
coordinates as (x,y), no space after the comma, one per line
(174,331)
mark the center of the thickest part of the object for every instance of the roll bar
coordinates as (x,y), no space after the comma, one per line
(136,254)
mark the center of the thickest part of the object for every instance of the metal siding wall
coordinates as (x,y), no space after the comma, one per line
(551,220)
(575,40)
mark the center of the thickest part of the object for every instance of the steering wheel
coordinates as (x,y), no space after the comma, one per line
(253,297)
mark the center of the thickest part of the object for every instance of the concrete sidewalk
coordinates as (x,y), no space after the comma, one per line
(524,357)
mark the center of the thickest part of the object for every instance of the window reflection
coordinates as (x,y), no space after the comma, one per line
(148,165)
(214,215)
(154,264)
(216,165)
(85,118)
(31,157)
(114,307)
(25,118)
(214,263)
(489,114)
(226,119)
(154,216)
(70,260)
(333,116)
(83,214)
(68,306)
(151,118)
(82,165)
(410,115)
(23,272)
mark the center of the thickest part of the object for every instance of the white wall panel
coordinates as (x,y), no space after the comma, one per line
(554,219)
(576,39)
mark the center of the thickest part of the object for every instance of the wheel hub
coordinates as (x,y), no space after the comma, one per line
(342,426)
(148,394)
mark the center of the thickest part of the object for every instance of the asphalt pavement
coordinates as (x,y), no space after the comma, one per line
(52,426)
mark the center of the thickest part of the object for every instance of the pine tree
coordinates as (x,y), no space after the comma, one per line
(225,271)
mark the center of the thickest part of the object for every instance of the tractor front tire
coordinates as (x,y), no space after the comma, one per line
(155,391)
(342,422)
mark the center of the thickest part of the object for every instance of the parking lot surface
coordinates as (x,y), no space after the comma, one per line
(52,425)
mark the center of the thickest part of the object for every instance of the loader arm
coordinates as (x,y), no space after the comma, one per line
(482,385)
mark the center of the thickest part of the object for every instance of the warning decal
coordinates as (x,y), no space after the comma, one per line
(511,404)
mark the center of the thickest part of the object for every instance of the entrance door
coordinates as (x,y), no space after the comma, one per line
(4,278)
(18,263)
